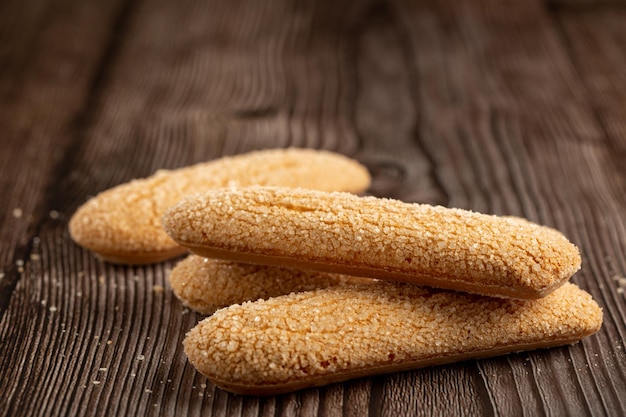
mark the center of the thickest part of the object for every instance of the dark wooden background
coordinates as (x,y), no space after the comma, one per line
(506,107)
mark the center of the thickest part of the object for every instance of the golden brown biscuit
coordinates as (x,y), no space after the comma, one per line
(339,333)
(206,285)
(123,224)
(377,238)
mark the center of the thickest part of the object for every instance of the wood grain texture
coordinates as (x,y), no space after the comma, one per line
(500,107)
(52,62)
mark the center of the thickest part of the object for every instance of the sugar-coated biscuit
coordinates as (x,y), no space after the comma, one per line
(123,224)
(377,238)
(206,285)
(319,337)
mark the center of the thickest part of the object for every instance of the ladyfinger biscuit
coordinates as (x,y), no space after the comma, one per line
(377,238)
(334,334)
(206,285)
(123,224)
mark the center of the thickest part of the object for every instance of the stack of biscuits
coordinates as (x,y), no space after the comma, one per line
(308,283)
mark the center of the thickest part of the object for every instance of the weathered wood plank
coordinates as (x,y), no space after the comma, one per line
(48,71)
(516,136)
(477,105)
(45,85)
(584,5)
(145,117)
(596,42)
(50,65)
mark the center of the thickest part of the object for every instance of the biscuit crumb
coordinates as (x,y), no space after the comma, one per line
(621,281)
(158,289)
(17,213)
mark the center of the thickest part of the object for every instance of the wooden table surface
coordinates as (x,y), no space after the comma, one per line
(505,107)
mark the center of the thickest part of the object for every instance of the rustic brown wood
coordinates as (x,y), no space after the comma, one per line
(513,108)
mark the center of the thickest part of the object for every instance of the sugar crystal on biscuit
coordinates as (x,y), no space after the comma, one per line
(381,238)
(303,335)
(207,284)
(123,224)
